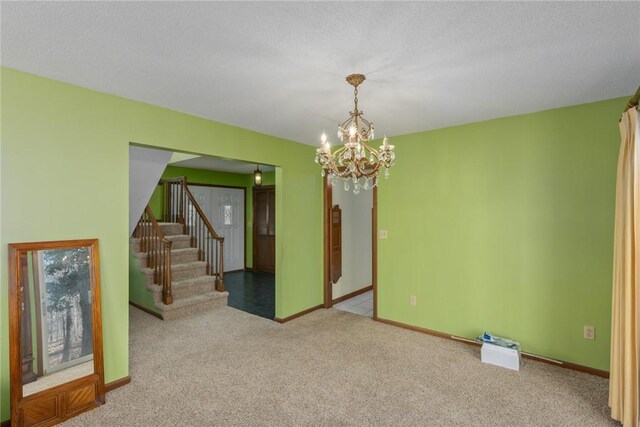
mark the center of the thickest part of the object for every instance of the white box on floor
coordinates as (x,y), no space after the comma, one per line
(500,356)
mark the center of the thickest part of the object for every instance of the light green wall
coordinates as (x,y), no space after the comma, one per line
(138,292)
(200,176)
(64,174)
(506,226)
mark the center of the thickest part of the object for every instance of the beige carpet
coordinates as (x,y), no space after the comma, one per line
(332,368)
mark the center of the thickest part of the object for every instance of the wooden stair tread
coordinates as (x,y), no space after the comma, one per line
(171,237)
(198,279)
(179,267)
(173,251)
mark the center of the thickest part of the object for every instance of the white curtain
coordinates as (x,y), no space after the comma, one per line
(624,395)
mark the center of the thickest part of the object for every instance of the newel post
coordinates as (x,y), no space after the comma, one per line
(220,283)
(167,296)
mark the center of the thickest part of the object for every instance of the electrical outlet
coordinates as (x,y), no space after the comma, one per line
(412,300)
(383,234)
(589,332)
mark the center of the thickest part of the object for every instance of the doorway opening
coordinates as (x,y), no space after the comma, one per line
(350,250)
(246,223)
(222,189)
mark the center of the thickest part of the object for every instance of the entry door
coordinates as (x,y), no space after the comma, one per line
(264,229)
(224,208)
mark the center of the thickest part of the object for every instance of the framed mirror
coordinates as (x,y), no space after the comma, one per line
(55,331)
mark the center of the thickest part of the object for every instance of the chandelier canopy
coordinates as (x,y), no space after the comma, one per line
(355,161)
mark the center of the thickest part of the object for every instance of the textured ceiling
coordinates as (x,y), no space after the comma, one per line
(279,68)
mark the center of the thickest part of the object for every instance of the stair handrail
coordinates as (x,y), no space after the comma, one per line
(158,250)
(178,200)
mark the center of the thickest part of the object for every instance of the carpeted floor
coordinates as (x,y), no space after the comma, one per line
(331,368)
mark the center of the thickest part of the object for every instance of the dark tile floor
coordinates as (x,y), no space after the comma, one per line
(254,293)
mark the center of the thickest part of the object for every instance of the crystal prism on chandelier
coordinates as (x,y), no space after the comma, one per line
(358,164)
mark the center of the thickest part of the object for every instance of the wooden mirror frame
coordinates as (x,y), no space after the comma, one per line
(63,401)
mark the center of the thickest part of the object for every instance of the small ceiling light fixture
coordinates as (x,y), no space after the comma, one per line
(257,176)
(355,161)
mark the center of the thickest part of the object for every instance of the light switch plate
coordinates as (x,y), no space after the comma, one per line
(383,234)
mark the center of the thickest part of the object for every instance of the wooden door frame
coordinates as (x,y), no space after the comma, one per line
(327,190)
(253,232)
(326,221)
(38,301)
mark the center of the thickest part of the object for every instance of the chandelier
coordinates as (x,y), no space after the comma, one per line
(355,161)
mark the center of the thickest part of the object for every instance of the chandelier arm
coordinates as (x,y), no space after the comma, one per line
(367,122)
(339,151)
(371,150)
(349,120)
(362,172)
(333,167)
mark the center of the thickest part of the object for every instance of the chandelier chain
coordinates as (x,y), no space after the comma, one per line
(355,98)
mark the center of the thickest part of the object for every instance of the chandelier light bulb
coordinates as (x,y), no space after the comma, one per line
(352,130)
(323,138)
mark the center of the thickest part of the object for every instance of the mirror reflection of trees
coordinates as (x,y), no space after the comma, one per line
(68,304)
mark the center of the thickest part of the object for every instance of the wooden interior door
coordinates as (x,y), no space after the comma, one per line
(336,244)
(264,229)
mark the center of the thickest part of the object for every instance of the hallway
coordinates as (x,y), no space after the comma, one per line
(252,292)
(361,304)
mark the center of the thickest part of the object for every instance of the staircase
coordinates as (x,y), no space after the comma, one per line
(193,290)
